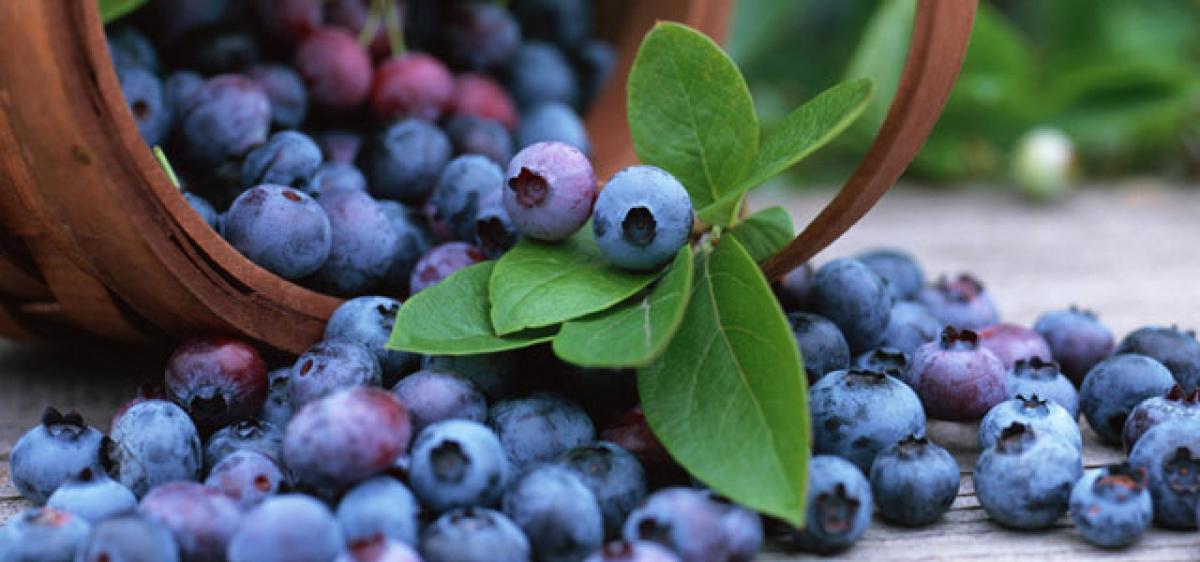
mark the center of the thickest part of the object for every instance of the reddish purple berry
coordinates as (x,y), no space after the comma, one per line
(217,380)
(336,68)
(288,21)
(478,95)
(431,396)
(961,302)
(956,378)
(414,85)
(550,191)
(1175,404)
(1010,342)
(442,262)
(247,477)
(202,519)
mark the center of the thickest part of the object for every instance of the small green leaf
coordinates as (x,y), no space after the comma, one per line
(636,332)
(451,318)
(728,399)
(111,10)
(764,233)
(808,128)
(537,284)
(690,113)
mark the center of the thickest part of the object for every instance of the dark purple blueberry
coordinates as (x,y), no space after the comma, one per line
(1045,417)
(631,432)
(287,528)
(250,434)
(333,176)
(821,344)
(961,302)
(144,96)
(216,380)
(431,397)
(222,121)
(910,326)
(594,64)
(289,158)
(1077,340)
(856,299)
(204,209)
(92,495)
(368,321)
(549,191)
(178,88)
(285,89)
(378,549)
(1011,342)
(474,534)
(277,408)
(129,538)
(404,161)
(154,442)
(794,290)
(170,19)
(128,47)
(329,366)
(956,378)
(539,73)
(43,534)
(339,145)
(335,67)
(458,463)
(1170,455)
(552,122)
(216,50)
(640,551)
(1024,481)
(1034,376)
(414,240)
(494,374)
(60,447)
(352,15)
(1177,350)
(614,476)
(413,85)
(694,524)
(898,268)
(465,182)
(539,427)
(1174,404)
(380,506)
(476,135)
(914,481)
(480,36)
(1111,506)
(495,233)
(480,96)
(201,519)
(247,477)
(886,360)
(566,23)
(557,512)
(1112,389)
(345,437)
(441,262)
(363,243)
(856,414)
(281,229)
(288,22)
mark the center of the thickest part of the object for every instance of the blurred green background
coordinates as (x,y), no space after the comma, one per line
(1120,78)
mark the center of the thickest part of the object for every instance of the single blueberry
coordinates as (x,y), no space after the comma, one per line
(539,427)
(856,414)
(287,528)
(476,135)
(914,481)
(1043,378)
(1170,455)
(821,344)
(550,189)
(1011,342)
(856,299)
(216,380)
(154,442)
(614,476)
(43,534)
(247,477)
(480,36)
(642,217)
(285,89)
(336,69)
(464,184)
(1046,418)
(178,88)
(961,302)
(909,327)
(1115,386)
(93,496)
(689,522)
(431,396)
(539,73)
(1111,506)
(202,519)
(129,538)
(404,161)
(223,120)
(129,47)
(60,447)
(1078,341)
(337,175)
(363,243)
(552,122)
(1024,481)
(474,534)
(329,366)
(956,378)
(1177,350)
(249,434)
(458,463)
(898,268)
(369,321)
(379,506)
(144,96)
(557,512)
(289,158)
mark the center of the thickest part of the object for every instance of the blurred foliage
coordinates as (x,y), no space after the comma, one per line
(1120,77)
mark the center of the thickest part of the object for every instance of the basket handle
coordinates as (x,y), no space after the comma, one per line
(935,54)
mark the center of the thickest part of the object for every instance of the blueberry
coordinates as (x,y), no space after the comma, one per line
(289,158)
(640,551)
(642,217)
(287,528)
(43,534)
(204,209)
(1078,340)
(1044,417)
(222,121)
(1111,506)
(1170,455)
(914,481)
(956,378)
(1010,342)
(216,50)
(285,89)
(245,435)
(368,321)
(1034,376)
(839,506)
(961,302)
(379,506)
(594,64)
(476,135)
(441,262)
(201,519)
(129,47)
(281,229)
(404,161)
(216,380)
(458,463)
(741,528)
(552,122)
(414,239)
(178,88)
(364,243)
(412,85)
(855,414)
(539,427)
(903,274)
(474,534)
(333,176)
(339,145)
(494,374)
(550,189)
(464,184)
(856,299)
(480,36)
(277,408)
(287,22)
(1177,350)
(378,549)
(129,538)
(345,437)
(794,290)
(685,520)
(495,233)
(1115,386)
(886,360)
(480,96)
(539,73)
(614,476)
(821,344)
(1175,404)
(144,95)
(566,23)
(49,454)
(1025,480)
(93,496)
(247,477)
(432,397)
(335,67)
(557,512)
(154,442)
(909,327)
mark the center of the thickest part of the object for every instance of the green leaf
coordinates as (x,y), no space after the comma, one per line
(764,233)
(636,332)
(537,284)
(111,10)
(808,128)
(728,399)
(690,113)
(451,318)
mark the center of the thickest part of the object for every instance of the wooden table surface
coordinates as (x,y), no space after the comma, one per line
(1129,252)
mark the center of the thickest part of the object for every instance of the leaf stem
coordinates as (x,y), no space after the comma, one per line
(166,166)
(395,31)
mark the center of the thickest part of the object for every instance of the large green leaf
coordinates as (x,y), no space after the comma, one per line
(111,10)
(690,113)
(728,399)
(451,318)
(537,284)
(636,332)
(764,233)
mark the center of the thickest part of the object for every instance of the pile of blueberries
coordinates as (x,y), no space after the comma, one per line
(330,160)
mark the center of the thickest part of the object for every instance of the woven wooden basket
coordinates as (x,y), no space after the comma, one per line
(94,238)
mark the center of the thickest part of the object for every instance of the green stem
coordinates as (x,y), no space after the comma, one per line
(395,30)
(375,17)
(166,166)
